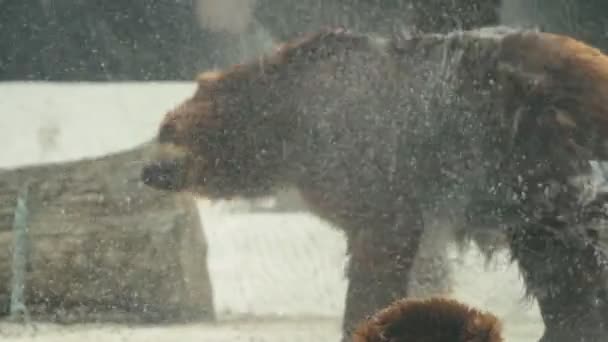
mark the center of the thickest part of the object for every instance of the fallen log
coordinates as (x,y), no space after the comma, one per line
(104,247)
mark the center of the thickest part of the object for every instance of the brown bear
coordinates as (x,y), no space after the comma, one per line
(494,125)
(429,320)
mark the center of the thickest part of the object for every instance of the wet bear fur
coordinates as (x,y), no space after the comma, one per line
(430,320)
(492,128)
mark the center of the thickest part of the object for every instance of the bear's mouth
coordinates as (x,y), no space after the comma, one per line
(167,175)
(167,168)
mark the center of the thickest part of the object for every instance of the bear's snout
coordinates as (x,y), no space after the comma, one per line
(165,175)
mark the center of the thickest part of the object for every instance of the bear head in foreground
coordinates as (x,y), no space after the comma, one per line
(429,320)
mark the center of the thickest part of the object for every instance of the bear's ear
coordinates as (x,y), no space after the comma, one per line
(210,79)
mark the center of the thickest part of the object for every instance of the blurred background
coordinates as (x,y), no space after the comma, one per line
(95,40)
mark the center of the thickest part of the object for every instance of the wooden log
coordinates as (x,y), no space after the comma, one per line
(103,246)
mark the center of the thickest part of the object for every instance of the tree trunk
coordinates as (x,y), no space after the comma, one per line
(104,247)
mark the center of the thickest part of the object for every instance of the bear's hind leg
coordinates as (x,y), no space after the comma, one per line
(567,274)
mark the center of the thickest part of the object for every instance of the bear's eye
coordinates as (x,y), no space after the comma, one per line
(167,133)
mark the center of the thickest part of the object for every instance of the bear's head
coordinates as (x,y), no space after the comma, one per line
(224,141)
(433,320)
(230,139)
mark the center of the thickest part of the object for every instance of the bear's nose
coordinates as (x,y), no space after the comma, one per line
(164,175)
(167,133)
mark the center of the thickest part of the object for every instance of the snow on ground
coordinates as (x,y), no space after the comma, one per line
(282,272)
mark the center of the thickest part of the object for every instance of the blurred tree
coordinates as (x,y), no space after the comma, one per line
(286,17)
(98,40)
(101,40)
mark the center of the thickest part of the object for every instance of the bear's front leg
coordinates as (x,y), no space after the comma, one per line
(381,259)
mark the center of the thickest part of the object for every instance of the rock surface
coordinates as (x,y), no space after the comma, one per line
(103,246)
